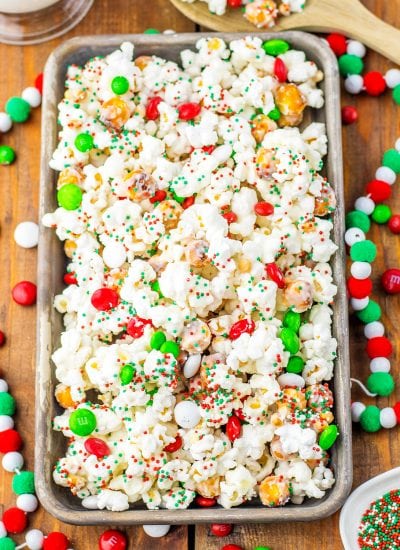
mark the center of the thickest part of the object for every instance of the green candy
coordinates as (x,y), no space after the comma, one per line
(328,437)
(170,347)
(24,483)
(151,31)
(370,419)
(120,85)
(7,154)
(295,364)
(275,47)
(262,548)
(82,422)
(69,196)
(359,219)
(292,320)
(177,198)
(381,383)
(363,251)
(370,313)
(7,544)
(18,109)
(156,287)
(290,340)
(396,94)
(84,142)
(350,64)
(157,340)
(7,403)
(275,114)
(127,373)
(381,213)
(391,159)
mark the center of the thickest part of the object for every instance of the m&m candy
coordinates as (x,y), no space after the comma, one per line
(69,196)
(112,540)
(391,281)
(24,293)
(82,422)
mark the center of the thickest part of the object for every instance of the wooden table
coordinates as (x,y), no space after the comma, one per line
(364,143)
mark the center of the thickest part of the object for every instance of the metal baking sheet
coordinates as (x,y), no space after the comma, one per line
(51,265)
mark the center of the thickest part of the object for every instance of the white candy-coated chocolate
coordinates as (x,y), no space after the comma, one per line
(26,234)
(192,365)
(290,379)
(156,531)
(187,414)
(114,255)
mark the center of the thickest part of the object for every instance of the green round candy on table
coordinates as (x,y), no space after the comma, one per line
(126,374)
(275,47)
(290,340)
(292,320)
(151,31)
(370,419)
(84,142)
(275,114)
(295,364)
(363,251)
(170,347)
(391,159)
(359,219)
(69,196)
(328,437)
(396,94)
(82,422)
(24,483)
(381,383)
(370,313)
(18,109)
(7,403)
(157,340)
(7,154)
(262,548)
(350,64)
(381,213)
(120,85)
(7,544)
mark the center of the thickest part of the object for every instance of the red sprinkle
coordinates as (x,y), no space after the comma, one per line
(230,217)
(10,441)
(174,446)
(105,299)
(221,529)
(188,202)
(205,502)
(158,196)
(240,327)
(136,325)
(188,111)
(112,540)
(359,288)
(263,208)
(275,274)
(70,278)
(379,346)
(349,114)
(280,70)
(97,447)
(394,224)
(337,42)
(233,428)
(374,83)
(15,520)
(24,293)
(391,281)
(152,112)
(378,190)
(55,541)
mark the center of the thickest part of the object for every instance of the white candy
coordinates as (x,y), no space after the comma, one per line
(26,234)
(364,204)
(3,385)
(169,31)
(34,539)
(397,144)
(187,414)
(357,408)
(27,503)
(356,48)
(384,173)
(114,255)
(359,303)
(387,418)
(32,96)
(192,365)
(374,329)
(6,423)
(90,502)
(156,531)
(12,461)
(380,364)
(5,122)
(3,530)
(354,235)
(290,379)
(361,270)
(354,83)
(392,78)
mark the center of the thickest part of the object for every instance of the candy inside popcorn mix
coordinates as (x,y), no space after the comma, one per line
(203,220)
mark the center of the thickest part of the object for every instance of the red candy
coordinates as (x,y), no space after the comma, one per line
(349,114)
(391,281)
(152,112)
(55,541)
(221,529)
(97,447)
(275,274)
(379,346)
(232,547)
(39,82)
(359,288)
(188,111)
(158,196)
(174,446)
(10,440)
(136,325)
(188,202)
(208,149)
(240,327)
(230,217)
(2,338)
(240,415)
(205,502)
(112,540)
(15,521)
(378,190)
(396,409)
(234,3)
(394,224)
(24,293)
(70,278)
(374,83)
(104,299)
(263,208)
(337,42)
(280,70)
(233,428)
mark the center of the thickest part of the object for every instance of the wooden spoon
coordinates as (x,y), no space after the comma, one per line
(349,17)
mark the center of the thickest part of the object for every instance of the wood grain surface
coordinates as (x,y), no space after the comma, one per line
(364,142)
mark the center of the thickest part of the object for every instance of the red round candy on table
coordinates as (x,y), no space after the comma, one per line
(39,82)
(24,293)
(394,224)
(391,281)
(205,502)
(188,202)
(70,278)
(379,346)
(230,217)
(374,83)
(234,3)
(263,208)
(349,114)
(97,447)
(359,288)
(152,112)
(221,529)
(208,149)
(2,338)
(232,547)
(136,325)
(233,428)
(15,520)
(280,70)
(396,409)
(275,274)
(240,327)
(10,440)
(337,42)
(174,446)
(55,541)
(104,299)
(378,190)
(112,540)
(188,111)
(158,196)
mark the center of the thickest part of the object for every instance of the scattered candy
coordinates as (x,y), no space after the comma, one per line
(187,414)
(221,529)
(97,447)
(391,281)
(120,85)
(24,293)
(105,299)
(26,234)
(82,422)
(233,428)
(69,196)
(349,114)
(7,155)
(156,531)
(112,540)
